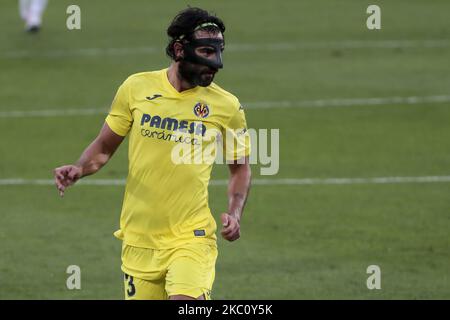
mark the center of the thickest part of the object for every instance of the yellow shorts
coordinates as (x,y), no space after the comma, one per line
(152,274)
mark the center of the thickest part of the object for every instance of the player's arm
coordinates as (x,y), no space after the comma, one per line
(238,189)
(92,159)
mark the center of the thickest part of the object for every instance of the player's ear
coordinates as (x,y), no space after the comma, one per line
(178,50)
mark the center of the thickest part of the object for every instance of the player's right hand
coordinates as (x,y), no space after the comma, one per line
(66,176)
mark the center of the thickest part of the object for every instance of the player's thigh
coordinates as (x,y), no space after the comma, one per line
(140,289)
(191,271)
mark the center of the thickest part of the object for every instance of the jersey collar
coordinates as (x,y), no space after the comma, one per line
(170,88)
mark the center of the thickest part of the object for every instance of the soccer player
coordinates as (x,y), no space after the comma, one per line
(169,246)
(31,12)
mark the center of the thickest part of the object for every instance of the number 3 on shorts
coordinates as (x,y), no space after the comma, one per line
(131,288)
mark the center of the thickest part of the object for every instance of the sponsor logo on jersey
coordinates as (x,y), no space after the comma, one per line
(172,124)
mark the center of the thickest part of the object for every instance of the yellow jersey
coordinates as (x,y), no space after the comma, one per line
(166,196)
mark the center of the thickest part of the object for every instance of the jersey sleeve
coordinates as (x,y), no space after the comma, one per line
(236,136)
(120,118)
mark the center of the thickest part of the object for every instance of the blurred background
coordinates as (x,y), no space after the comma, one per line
(367,108)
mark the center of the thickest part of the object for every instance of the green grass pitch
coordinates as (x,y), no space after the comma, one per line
(298,241)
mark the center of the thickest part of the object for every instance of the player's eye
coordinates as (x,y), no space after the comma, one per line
(208,51)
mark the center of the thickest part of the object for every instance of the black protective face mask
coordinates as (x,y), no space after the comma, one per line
(215,44)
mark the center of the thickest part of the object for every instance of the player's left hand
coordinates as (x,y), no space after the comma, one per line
(231,228)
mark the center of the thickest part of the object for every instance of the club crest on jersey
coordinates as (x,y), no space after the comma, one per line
(201,110)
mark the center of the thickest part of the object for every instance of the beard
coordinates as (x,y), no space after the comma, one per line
(195,74)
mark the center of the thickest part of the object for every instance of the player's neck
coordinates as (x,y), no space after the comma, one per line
(175,79)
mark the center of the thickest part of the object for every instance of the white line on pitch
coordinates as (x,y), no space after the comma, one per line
(347,102)
(53,113)
(249,105)
(264,182)
(280,46)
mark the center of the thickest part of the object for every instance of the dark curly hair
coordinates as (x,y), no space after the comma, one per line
(186,21)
